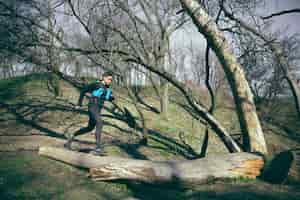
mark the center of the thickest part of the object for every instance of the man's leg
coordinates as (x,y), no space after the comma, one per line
(99,125)
(92,123)
(98,122)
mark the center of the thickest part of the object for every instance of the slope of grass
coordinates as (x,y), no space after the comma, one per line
(28,107)
(26,101)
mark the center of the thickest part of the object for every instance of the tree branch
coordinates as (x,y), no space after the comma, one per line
(284,12)
(200,110)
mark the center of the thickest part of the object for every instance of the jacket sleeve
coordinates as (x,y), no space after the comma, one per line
(108,95)
(88,88)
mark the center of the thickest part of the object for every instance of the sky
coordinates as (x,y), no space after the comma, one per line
(289,22)
(182,39)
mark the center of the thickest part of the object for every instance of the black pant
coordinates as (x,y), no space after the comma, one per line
(94,120)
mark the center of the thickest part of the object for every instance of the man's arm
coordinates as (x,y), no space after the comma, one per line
(108,95)
(88,88)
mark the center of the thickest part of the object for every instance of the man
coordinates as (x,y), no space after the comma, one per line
(100,92)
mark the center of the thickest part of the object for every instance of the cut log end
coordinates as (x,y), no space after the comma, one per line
(250,168)
(294,172)
(285,166)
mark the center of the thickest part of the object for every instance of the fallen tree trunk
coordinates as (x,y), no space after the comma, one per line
(220,166)
(294,172)
(285,166)
(10,143)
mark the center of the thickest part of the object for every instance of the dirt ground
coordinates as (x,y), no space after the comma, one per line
(25,175)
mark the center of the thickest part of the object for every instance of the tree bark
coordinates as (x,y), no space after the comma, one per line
(212,101)
(219,166)
(134,97)
(164,99)
(254,140)
(294,171)
(53,56)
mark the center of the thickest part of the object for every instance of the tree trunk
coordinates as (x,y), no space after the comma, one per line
(53,81)
(294,171)
(134,97)
(284,66)
(54,85)
(296,92)
(164,101)
(253,136)
(163,62)
(219,166)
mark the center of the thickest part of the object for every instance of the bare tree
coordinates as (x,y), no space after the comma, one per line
(250,125)
(277,50)
(127,51)
(16,34)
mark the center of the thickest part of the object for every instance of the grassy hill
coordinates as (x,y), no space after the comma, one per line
(31,115)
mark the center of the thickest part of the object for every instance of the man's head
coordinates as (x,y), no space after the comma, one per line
(107,78)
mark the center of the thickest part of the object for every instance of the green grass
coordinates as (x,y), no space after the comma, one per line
(24,175)
(26,92)
(30,97)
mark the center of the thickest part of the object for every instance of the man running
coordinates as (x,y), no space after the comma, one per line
(100,92)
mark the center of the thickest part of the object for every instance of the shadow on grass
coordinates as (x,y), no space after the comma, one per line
(40,178)
(28,113)
(210,191)
(29,122)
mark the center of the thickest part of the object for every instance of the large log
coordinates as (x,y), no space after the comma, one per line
(294,172)
(285,166)
(9,143)
(220,166)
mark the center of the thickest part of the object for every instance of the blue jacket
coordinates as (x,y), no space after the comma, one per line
(99,91)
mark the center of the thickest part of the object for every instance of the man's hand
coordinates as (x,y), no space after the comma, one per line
(112,98)
(77,107)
